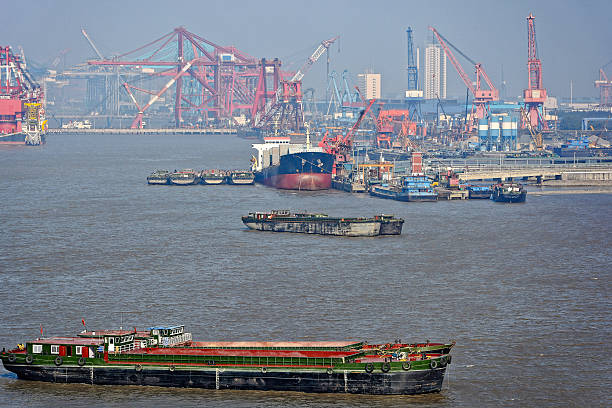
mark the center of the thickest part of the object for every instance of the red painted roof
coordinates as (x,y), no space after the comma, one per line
(244,353)
(79,341)
(261,344)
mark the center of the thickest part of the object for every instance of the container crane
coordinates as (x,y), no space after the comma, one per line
(535,94)
(289,92)
(482,97)
(341,145)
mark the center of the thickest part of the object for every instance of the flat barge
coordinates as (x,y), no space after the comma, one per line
(167,357)
(310,223)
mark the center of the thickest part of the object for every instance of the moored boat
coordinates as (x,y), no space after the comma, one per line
(508,193)
(213,177)
(184,177)
(479,192)
(167,356)
(241,177)
(159,177)
(308,223)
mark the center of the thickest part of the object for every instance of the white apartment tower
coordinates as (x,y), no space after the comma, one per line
(369,85)
(435,72)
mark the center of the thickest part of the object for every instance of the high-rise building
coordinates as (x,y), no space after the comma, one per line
(435,72)
(369,84)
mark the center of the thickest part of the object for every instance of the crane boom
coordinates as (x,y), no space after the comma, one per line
(313,58)
(466,79)
(96,50)
(350,133)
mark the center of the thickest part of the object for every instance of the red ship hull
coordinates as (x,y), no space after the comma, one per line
(300,181)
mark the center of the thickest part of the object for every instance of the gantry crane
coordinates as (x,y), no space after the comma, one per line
(482,97)
(289,93)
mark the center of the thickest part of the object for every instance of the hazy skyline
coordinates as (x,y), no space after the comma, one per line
(573,39)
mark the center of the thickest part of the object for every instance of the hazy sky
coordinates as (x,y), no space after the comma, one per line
(574,37)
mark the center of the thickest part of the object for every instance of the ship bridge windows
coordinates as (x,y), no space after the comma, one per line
(37,348)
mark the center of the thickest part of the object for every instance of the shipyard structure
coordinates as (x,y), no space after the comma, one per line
(22,117)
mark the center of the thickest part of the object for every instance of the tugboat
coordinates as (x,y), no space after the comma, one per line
(166,356)
(213,177)
(240,177)
(184,177)
(508,193)
(308,223)
(159,177)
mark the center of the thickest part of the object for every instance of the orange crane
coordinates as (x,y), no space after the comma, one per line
(482,97)
(342,145)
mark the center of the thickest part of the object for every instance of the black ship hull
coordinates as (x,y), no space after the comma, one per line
(264,379)
(509,198)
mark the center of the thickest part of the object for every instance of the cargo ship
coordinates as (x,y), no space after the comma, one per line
(212,177)
(184,177)
(290,166)
(167,356)
(159,177)
(508,193)
(412,188)
(322,224)
(22,117)
(581,147)
(479,192)
(241,177)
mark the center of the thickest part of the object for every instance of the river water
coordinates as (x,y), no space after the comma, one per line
(523,289)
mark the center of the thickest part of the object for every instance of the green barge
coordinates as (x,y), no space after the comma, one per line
(167,356)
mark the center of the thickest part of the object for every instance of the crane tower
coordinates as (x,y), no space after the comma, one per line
(535,94)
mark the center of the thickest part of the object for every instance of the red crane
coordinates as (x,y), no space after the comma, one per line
(482,97)
(341,145)
(535,95)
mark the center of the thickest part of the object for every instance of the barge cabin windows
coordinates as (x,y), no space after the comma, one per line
(37,348)
(54,349)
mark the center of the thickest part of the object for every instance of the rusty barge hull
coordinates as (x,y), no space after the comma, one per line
(263,378)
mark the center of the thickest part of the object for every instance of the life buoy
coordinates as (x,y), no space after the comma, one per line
(406,365)
(12,358)
(433,364)
(369,367)
(330,371)
(385,367)
(58,361)
(138,367)
(264,369)
(81,361)
(29,359)
(172,368)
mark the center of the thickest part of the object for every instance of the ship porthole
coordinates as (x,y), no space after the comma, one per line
(58,361)
(81,361)
(385,367)
(29,359)
(330,371)
(406,365)
(433,364)
(369,367)
(12,358)
(264,369)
